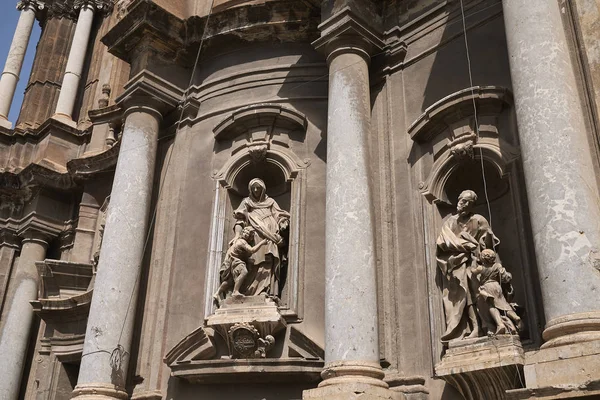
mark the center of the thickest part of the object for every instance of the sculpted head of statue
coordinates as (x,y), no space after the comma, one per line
(466,201)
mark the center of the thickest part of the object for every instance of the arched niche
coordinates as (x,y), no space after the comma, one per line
(259,137)
(455,156)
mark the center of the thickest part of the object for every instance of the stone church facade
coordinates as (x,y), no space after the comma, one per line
(302,199)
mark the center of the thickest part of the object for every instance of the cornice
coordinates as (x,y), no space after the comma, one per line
(489,99)
(147,28)
(347,31)
(153,93)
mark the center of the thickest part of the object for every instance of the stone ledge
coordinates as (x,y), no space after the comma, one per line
(248,370)
(483,368)
(352,391)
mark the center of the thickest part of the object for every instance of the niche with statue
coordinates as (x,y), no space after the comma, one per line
(253,277)
(481,267)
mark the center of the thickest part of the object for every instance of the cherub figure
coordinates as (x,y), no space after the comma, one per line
(234,269)
(495,311)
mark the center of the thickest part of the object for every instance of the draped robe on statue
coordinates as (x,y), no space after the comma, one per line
(458,248)
(265,216)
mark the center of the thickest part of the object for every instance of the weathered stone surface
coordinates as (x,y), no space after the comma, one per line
(483,368)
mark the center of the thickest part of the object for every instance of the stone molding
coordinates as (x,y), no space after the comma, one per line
(454,114)
(490,100)
(195,360)
(145,26)
(572,329)
(263,114)
(348,32)
(154,94)
(9,238)
(483,368)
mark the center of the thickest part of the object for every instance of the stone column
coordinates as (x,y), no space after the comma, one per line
(559,174)
(18,315)
(107,345)
(14,61)
(351,324)
(74,69)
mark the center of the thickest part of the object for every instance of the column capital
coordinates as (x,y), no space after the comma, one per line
(148,92)
(35,236)
(346,31)
(34,5)
(104,6)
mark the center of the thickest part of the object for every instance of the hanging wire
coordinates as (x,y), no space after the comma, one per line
(485,189)
(487,199)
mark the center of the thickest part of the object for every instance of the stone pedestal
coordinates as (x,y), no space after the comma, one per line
(248,325)
(15,329)
(483,368)
(14,60)
(109,333)
(74,69)
(546,371)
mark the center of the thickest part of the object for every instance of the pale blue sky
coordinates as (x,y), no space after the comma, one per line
(9,15)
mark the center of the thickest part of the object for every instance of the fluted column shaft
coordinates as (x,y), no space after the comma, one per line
(14,60)
(15,329)
(559,173)
(74,69)
(107,345)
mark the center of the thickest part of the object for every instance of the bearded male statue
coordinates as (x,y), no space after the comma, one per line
(463,237)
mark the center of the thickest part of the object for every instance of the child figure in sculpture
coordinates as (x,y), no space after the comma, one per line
(234,269)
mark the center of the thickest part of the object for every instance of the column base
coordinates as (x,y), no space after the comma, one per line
(352,391)
(345,380)
(65,119)
(572,329)
(567,371)
(99,391)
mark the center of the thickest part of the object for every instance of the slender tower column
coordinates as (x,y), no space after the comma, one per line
(15,329)
(74,69)
(351,324)
(107,345)
(16,55)
(557,161)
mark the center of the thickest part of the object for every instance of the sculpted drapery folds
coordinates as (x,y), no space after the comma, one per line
(268,221)
(464,236)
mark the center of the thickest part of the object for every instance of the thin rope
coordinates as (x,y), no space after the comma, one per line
(487,199)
